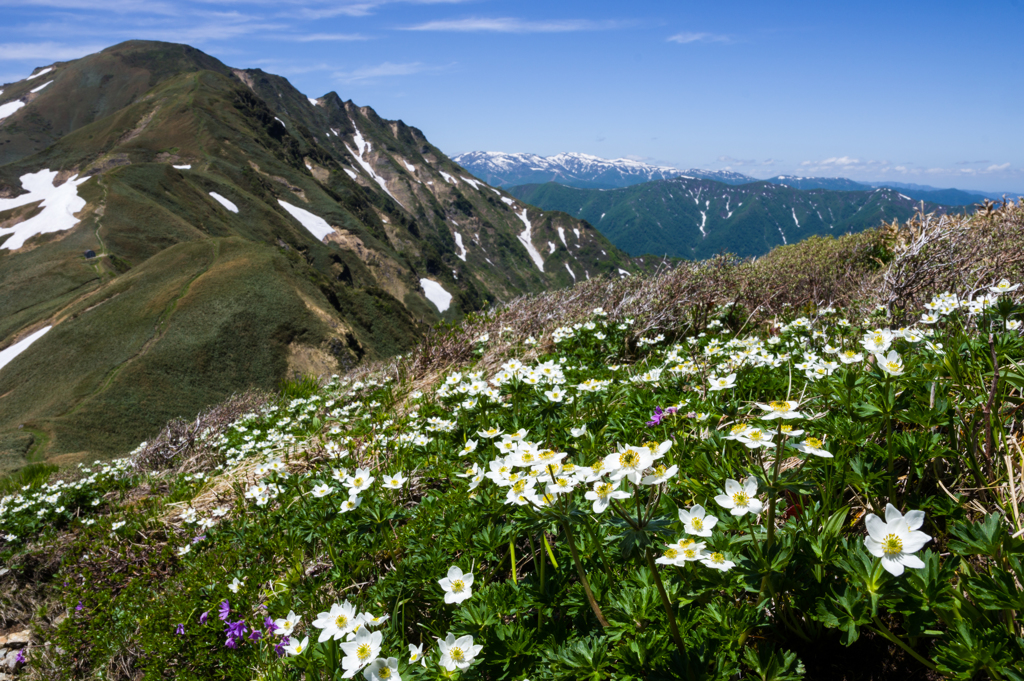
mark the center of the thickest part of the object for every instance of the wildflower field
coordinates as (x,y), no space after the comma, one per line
(827,491)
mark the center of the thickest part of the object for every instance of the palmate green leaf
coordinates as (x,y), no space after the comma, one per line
(846,612)
(768,664)
(985,537)
(970,651)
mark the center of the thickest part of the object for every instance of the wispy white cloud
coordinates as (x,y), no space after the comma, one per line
(688,37)
(733,163)
(48,51)
(385,70)
(115,6)
(336,37)
(512,25)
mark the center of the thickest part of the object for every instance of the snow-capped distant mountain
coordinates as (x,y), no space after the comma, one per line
(723,176)
(572,169)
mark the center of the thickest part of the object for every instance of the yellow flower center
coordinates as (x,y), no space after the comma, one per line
(813,442)
(755,435)
(717,558)
(357,482)
(740,499)
(671,554)
(739,427)
(690,553)
(786,429)
(363,651)
(779,406)
(520,485)
(456,654)
(653,446)
(603,489)
(457,586)
(629,459)
(697,523)
(384,672)
(298,647)
(892,545)
(598,466)
(684,542)
(340,621)
(849,353)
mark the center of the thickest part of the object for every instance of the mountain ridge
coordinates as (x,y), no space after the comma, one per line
(240,233)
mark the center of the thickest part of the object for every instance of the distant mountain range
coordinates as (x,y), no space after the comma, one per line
(698,218)
(174,230)
(575,170)
(591,172)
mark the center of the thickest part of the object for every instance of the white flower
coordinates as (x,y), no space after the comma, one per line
(339,621)
(659,474)
(1012,324)
(717,383)
(457,586)
(1003,287)
(286,625)
(490,433)
(395,481)
(717,561)
(361,651)
(457,653)
(416,655)
(182,550)
(780,409)
(929,318)
(602,495)
(468,448)
(740,500)
(383,670)
(295,647)
(577,432)
(877,341)
(892,364)
(755,437)
(359,481)
(351,504)
(629,462)
(235,585)
(813,445)
(696,522)
(322,490)
(850,357)
(896,539)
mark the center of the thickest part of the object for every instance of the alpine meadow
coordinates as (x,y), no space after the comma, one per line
(289,393)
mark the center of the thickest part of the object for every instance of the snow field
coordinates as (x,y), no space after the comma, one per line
(10,353)
(316,225)
(436,294)
(525,237)
(59,205)
(224,202)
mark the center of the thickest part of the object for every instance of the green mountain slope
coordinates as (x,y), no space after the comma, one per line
(330,219)
(696,218)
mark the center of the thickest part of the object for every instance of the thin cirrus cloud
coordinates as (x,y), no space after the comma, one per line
(511,25)
(687,37)
(332,37)
(47,51)
(385,70)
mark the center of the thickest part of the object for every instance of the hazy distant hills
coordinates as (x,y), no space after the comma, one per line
(174,230)
(590,172)
(697,218)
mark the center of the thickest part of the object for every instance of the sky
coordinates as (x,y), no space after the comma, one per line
(917,92)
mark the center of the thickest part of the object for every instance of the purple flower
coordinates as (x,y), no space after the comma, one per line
(231,643)
(20,658)
(225,610)
(202,618)
(236,629)
(269,624)
(279,648)
(180,631)
(656,419)
(79,607)
(255,635)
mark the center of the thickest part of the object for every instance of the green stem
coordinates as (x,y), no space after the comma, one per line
(672,625)
(771,489)
(583,575)
(880,628)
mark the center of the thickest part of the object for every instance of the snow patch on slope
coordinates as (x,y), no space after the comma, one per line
(316,225)
(794,218)
(10,353)
(224,202)
(365,147)
(507,200)
(436,294)
(59,204)
(571,272)
(41,73)
(447,178)
(458,242)
(561,235)
(49,82)
(703,221)
(185,167)
(526,240)
(9,108)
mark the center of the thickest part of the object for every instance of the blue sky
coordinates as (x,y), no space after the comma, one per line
(922,92)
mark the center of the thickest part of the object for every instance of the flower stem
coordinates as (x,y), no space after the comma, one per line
(673,627)
(771,489)
(583,575)
(880,628)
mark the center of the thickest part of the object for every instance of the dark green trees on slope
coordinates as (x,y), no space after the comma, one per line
(697,218)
